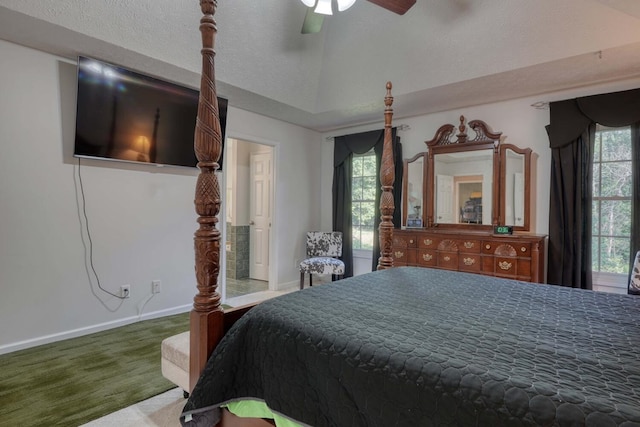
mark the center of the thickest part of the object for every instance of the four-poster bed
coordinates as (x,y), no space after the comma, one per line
(402,346)
(208,321)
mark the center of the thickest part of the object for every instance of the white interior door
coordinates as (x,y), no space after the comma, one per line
(260,180)
(444,200)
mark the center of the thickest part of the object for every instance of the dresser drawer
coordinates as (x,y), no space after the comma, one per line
(470,246)
(404,240)
(427,258)
(448,260)
(403,256)
(448,245)
(469,262)
(506,266)
(523,249)
(506,248)
(428,242)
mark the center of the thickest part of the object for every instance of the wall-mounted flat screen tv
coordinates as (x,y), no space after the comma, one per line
(128,116)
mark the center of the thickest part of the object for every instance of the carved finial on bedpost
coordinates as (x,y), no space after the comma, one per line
(206,317)
(387,177)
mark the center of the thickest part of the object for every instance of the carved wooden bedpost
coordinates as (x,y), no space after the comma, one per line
(206,321)
(387,177)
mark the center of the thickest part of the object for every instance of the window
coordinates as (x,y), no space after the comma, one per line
(611,207)
(363,194)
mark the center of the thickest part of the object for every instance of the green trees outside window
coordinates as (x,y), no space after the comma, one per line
(611,207)
(363,209)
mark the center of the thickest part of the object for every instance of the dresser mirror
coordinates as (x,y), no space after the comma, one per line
(515,176)
(414,188)
(463,186)
(468,182)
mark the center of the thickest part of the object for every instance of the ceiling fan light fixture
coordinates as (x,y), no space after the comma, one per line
(345,4)
(308,3)
(324,7)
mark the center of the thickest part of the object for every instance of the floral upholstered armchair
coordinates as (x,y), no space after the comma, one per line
(323,251)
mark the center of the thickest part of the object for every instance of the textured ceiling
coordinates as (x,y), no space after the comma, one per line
(442,54)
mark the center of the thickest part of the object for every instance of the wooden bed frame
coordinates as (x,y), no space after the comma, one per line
(208,321)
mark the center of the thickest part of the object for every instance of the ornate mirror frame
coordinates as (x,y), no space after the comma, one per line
(509,191)
(512,181)
(414,175)
(442,143)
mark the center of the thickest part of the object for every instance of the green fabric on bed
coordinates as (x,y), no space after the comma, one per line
(258,409)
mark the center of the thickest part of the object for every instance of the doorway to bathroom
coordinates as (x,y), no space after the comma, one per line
(248,214)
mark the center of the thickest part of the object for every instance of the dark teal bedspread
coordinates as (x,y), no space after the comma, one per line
(419,347)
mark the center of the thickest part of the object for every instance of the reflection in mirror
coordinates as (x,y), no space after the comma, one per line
(464,187)
(514,207)
(413,191)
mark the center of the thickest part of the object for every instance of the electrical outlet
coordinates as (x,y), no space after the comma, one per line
(124,291)
(156,287)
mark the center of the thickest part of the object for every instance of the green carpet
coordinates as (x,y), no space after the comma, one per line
(71,382)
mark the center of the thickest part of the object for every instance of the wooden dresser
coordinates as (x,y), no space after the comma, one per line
(518,256)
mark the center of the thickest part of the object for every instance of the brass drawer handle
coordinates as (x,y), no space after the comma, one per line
(427,257)
(447,258)
(488,246)
(505,265)
(428,242)
(469,245)
(469,261)
(399,254)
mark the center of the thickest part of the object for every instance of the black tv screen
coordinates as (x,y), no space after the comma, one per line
(127,116)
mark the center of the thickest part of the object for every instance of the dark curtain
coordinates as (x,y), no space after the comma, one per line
(571,133)
(344,149)
(570,212)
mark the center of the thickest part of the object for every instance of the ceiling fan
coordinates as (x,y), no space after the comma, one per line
(315,16)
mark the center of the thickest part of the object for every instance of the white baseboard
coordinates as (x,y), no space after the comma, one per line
(74,333)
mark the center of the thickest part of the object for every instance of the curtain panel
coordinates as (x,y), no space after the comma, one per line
(570,222)
(571,138)
(344,149)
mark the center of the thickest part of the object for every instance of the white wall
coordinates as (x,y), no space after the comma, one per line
(243,171)
(141,217)
(518,121)
(237,180)
(240,172)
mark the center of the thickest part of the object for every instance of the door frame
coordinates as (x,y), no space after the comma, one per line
(273,247)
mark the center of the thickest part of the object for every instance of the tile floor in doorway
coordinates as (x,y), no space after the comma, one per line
(239,287)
